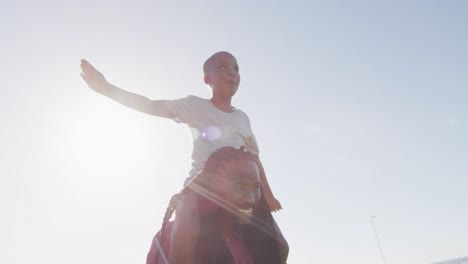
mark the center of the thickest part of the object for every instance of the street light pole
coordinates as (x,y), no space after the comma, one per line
(378,240)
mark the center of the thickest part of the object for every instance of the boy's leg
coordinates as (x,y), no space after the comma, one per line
(185,230)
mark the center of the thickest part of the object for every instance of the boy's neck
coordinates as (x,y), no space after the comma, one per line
(222,103)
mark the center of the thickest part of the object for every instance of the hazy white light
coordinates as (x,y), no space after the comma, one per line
(212,133)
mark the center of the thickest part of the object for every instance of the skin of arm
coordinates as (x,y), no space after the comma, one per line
(272,201)
(99,84)
(282,243)
(274,206)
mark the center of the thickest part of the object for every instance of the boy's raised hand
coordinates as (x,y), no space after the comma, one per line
(92,77)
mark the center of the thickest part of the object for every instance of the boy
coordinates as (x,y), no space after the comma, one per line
(214,123)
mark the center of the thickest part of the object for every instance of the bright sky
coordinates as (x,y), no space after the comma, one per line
(360,109)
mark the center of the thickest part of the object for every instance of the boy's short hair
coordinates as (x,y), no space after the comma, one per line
(210,60)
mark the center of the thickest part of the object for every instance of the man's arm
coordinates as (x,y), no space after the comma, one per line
(282,243)
(99,84)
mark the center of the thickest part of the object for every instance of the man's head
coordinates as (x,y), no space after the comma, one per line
(239,185)
(232,181)
(221,73)
(228,192)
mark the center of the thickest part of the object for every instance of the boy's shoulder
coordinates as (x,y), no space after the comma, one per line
(242,113)
(205,104)
(191,101)
(196,99)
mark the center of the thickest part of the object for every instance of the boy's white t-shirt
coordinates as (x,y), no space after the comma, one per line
(212,128)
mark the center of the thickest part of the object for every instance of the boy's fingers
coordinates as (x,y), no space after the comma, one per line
(85,62)
(84,78)
(86,66)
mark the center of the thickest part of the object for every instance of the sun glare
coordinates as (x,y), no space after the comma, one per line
(102,140)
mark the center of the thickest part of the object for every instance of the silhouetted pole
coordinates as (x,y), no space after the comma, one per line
(378,240)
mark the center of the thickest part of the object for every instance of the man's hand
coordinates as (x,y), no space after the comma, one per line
(93,77)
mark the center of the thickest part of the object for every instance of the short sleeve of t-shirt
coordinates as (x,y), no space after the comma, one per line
(251,145)
(184,109)
(250,141)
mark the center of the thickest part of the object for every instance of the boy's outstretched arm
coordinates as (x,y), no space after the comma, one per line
(270,198)
(99,84)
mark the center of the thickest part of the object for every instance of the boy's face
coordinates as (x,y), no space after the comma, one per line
(222,74)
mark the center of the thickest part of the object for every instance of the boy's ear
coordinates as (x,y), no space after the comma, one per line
(206,79)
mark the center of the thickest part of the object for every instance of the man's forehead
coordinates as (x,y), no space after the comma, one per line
(242,172)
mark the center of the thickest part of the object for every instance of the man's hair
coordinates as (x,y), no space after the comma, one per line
(211,59)
(211,248)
